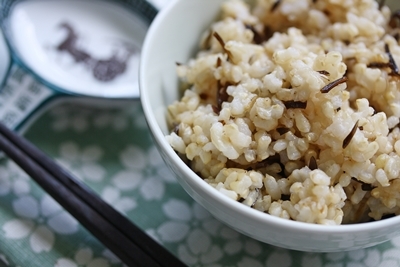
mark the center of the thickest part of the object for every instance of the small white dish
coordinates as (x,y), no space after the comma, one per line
(85,48)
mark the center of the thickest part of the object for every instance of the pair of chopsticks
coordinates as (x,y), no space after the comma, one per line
(115,231)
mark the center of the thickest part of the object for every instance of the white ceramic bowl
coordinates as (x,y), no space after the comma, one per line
(173,37)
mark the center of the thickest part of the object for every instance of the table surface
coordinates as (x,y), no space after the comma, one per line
(111,150)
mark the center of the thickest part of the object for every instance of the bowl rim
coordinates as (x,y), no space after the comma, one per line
(208,190)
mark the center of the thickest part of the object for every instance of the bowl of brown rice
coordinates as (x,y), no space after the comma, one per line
(281,118)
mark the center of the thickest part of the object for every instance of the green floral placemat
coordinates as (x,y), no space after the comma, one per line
(111,150)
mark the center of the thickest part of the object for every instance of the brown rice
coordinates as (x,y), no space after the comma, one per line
(292,107)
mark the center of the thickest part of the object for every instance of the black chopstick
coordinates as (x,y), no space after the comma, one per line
(115,231)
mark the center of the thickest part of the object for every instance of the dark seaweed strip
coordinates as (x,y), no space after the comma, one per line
(380,65)
(312,165)
(333,84)
(295,104)
(326,12)
(348,138)
(276,158)
(285,197)
(219,38)
(175,128)
(396,14)
(394,19)
(207,40)
(268,32)
(258,196)
(222,43)
(258,165)
(258,37)
(216,109)
(364,186)
(222,95)
(395,69)
(275,5)
(323,72)
(282,130)
(391,64)
(394,74)
(396,36)
(219,62)
(203,96)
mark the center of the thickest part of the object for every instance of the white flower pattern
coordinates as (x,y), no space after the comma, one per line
(80,120)
(13,179)
(368,257)
(144,170)
(65,117)
(113,197)
(192,228)
(83,258)
(82,163)
(39,220)
(107,119)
